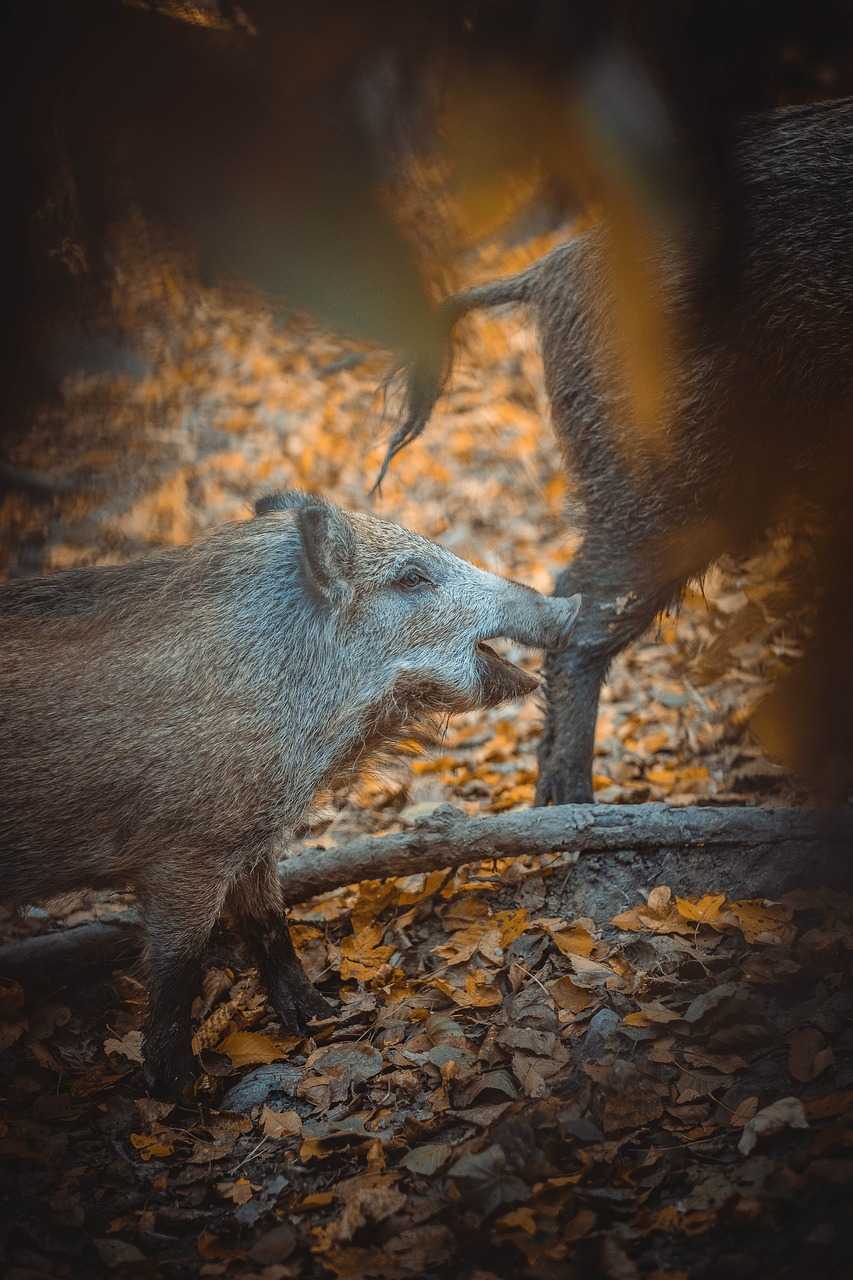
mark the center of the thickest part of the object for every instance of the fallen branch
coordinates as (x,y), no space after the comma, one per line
(448,837)
(54,959)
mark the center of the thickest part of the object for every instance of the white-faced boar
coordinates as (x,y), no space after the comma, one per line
(757,417)
(167,723)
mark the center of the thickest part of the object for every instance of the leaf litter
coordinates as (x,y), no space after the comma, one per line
(507,1086)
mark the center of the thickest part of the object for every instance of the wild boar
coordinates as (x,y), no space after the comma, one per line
(167,723)
(757,419)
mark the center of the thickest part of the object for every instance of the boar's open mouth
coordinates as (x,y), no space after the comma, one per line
(500,679)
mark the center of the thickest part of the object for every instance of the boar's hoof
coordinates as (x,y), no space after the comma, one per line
(297,1001)
(169,1074)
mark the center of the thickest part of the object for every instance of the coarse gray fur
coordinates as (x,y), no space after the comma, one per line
(167,723)
(757,410)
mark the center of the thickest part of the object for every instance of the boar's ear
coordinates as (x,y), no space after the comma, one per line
(291,500)
(329,546)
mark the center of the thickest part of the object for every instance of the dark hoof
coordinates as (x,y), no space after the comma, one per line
(170,1076)
(295,1005)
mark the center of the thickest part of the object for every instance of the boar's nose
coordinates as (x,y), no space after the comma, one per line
(542,622)
(565,610)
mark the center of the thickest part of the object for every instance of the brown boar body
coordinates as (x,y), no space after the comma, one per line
(167,723)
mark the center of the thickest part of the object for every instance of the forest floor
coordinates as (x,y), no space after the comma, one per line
(534,1069)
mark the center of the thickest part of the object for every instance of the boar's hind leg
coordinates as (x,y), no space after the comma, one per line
(179,911)
(258,907)
(613,614)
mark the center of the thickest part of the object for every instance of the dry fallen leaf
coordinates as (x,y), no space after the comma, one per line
(743,1112)
(281,1124)
(239,1192)
(762,921)
(129,1046)
(151,1146)
(705,910)
(808,1055)
(427,1159)
(249,1048)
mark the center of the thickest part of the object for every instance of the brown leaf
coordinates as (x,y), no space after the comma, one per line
(743,1112)
(483,1116)
(529,1039)
(571,940)
(215,1250)
(808,1054)
(11,1030)
(833,1104)
(239,1192)
(347,1063)
(366,1199)
(363,956)
(208,1152)
(528,1073)
(658,914)
(650,1012)
(281,1124)
(705,910)
(728,1063)
(274,1245)
(152,1110)
(129,1046)
(615,1262)
(250,1048)
(151,1146)
(763,921)
(427,1159)
(591,973)
(569,996)
(519,1218)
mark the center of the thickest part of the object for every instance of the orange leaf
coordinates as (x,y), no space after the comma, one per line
(249,1048)
(763,921)
(576,941)
(522,1218)
(567,995)
(150,1146)
(705,910)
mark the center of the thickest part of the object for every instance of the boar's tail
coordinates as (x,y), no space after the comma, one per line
(426,377)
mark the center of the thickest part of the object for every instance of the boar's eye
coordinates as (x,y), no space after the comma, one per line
(411,578)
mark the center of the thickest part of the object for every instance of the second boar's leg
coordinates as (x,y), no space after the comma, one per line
(256,902)
(181,903)
(617,607)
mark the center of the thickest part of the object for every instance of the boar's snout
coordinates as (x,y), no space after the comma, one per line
(541,622)
(563,613)
(528,618)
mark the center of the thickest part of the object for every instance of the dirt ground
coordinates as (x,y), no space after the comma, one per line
(536,1068)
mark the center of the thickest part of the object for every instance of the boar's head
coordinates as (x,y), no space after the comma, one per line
(412,618)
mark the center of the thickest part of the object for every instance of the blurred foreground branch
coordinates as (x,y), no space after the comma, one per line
(449,838)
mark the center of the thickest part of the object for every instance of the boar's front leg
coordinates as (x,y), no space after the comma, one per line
(258,907)
(181,904)
(617,607)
